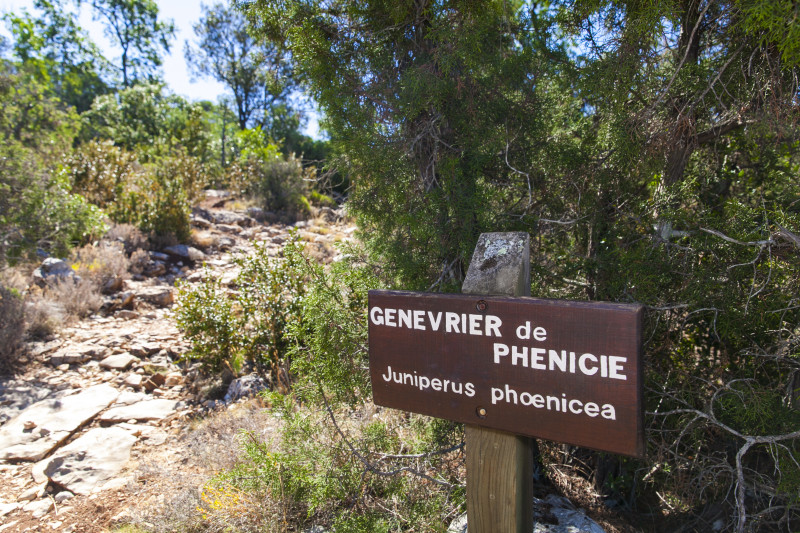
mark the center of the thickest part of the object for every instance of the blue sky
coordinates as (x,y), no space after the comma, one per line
(184,13)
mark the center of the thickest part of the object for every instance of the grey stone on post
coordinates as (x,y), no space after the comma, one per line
(500,265)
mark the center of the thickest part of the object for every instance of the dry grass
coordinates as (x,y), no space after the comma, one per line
(173,495)
(12,326)
(43,318)
(79,299)
(129,236)
(16,277)
(202,239)
(102,264)
(138,261)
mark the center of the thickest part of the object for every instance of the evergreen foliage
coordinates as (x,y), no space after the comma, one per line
(652,152)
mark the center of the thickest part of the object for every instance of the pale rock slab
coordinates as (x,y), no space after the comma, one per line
(73,355)
(158,296)
(134,381)
(173,379)
(129,398)
(119,362)
(52,270)
(249,385)
(91,460)
(153,435)
(147,410)
(55,419)
(144,349)
(187,253)
(32,493)
(6,508)
(39,508)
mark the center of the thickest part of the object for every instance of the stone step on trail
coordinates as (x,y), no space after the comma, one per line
(91,460)
(146,410)
(54,420)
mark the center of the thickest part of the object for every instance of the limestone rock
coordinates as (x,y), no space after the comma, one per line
(187,253)
(229,228)
(144,349)
(73,355)
(173,379)
(129,398)
(126,314)
(37,471)
(134,381)
(56,419)
(91,460)
(200,222)
(155,295)
(245,386)
(230,218)
(39,508)
(154,382)
(155,269)
(6,508)
(329,215)
(52,270)
(256,213)
(119,362)
(37,491)
(63,496)
(146,410)
(14,398)
(569,519)
(114,284)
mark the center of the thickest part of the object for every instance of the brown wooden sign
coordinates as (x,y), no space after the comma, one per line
(564,371)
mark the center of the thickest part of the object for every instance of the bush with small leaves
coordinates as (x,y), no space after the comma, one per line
(206,316)
(100,171)
(249,325)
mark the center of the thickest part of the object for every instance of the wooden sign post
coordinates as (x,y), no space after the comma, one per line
(510,367)
(499,464)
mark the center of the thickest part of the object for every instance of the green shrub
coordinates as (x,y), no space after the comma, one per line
(249,325)
(156,201)
(205,314)
(99,171)
(38,208)
(322,200)
(338,462)
(155,197)
(279,184)
(270,297)
(315,474)
(329,344)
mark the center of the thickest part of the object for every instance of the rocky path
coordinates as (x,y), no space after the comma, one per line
(111,393)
